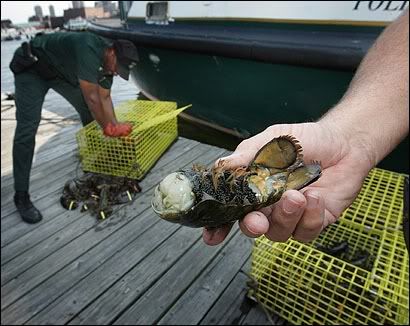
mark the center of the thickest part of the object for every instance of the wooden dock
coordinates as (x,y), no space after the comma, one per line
(132,268)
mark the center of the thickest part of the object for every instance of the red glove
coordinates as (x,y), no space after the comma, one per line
(117,130)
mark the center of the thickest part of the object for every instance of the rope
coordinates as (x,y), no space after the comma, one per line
(255,288)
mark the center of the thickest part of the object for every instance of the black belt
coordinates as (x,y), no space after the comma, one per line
(42,66)
(34,59)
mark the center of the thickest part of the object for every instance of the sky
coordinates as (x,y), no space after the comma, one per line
(20,11)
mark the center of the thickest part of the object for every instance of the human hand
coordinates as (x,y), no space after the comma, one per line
(118,129)
(303,214)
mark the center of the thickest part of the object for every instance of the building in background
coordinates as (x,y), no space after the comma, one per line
(51,10)
(109,7)
(85,12)
(57,22)
(38,12)
(33,19)
(78,4)
(6,23)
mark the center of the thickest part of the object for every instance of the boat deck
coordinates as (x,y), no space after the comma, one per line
(132,268)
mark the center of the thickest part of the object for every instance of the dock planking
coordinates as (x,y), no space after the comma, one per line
(231,306)
(132,268)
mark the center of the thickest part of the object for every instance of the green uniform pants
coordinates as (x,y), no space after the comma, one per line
(30,91)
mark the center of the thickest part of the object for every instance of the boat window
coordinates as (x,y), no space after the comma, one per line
(157,12)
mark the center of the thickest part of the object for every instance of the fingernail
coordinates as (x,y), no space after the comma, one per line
(290,206)
(210,233)
(312,200)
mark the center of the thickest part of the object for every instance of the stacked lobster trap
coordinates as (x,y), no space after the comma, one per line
(355,272)
(154,130)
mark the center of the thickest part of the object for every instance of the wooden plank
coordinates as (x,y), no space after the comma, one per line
(41,187)
(149,306)
(39,169)
(230,307)
(20,257)
(193,305)
(234,308)
(44,137)
(37,299)
(46,132)
(17,228)
(165,160)
(50,208)
(41,156)
(40,193)
(12,233)
(13,227)
(246,268)
(67,149)
(8,181)
(40,182)
(32,254)
(28,280)
(46,129)
(257,316)
(39,176)
(140,265)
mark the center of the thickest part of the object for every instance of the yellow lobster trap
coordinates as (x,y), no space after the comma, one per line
(306,284)
(154,130)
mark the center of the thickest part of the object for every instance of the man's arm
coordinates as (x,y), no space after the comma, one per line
(365,126)
(374,112)
(99,102)
(106,101)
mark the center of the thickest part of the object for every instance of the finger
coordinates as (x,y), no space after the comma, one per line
(214,236)
(236,159)
(254,224)
(312,221)
(267,211)
(285,216)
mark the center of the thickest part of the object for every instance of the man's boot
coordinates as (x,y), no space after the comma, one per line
(27,211)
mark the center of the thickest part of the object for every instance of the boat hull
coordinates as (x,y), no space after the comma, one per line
(246,97)
(241,95)
(242,86)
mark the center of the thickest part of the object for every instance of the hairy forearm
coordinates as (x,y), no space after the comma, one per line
(96,107)
(374,112)
(107,107)
(99,102)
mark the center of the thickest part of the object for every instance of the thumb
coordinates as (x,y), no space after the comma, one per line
(236,159)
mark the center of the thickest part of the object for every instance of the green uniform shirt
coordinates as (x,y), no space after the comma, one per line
(75,55)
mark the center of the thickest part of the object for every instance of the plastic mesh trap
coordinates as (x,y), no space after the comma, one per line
(305,285)
(155,128)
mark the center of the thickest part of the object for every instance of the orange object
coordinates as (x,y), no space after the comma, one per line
(117,130)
